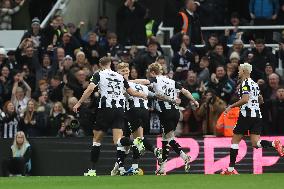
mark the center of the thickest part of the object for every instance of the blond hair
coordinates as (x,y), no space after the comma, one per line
(122,65)
(246,66)
(156,68)
(29,115)
(21,149)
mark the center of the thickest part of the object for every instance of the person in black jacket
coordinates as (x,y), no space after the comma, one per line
(261,55)
(190,23)
(56,119)
(131,27)
(19,161)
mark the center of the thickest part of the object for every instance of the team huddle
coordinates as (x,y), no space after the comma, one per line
(121,98)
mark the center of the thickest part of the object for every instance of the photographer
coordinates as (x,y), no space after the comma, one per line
(70,128)
(209,111)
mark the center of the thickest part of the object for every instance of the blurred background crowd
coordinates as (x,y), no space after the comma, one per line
(45,76)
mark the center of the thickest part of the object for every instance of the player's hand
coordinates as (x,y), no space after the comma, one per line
(196,104)
(177,101)
(144,96)
(75,108)
(227,110)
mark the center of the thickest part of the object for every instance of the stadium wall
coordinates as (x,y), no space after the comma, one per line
(70,156)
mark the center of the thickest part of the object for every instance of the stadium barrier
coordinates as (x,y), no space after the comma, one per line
(70,156)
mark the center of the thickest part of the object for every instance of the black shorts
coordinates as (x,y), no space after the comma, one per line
(245,124)
(137,117)
(109,118)
(169,120)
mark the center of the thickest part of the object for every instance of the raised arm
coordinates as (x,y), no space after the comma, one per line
(188,95)
(141,81)
(85,95)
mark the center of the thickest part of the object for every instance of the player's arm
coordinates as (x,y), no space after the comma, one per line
(245,98)
(260,99)
(188,95)
(85,95)
(141,81)
(94,81)
(133,92)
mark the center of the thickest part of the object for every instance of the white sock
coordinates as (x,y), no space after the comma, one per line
(96,144)
(259,144)
(134,166)
(273,144)
(183,155)
(231,169)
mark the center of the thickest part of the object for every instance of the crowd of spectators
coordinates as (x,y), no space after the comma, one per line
(46,75)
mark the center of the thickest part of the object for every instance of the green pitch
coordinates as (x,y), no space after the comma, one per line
(245,181)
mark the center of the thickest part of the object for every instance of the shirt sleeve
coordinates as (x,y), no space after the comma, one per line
(245,88)
(95,78)
(126,84)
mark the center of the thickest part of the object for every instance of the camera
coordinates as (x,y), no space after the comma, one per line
(72,123)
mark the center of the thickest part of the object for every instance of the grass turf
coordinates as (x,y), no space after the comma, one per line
(244,181)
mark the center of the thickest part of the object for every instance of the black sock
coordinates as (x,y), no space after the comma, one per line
(148,145)
(233,156)
(124,141)
(176,147)
(165,150)
(136,155)
(265,144)
(95,154)
(120,157)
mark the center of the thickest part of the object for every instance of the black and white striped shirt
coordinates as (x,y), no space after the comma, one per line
(136,102)
(165,87)
(111,86)
(250,109)
(9,126)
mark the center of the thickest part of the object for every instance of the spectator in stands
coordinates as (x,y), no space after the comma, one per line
(3,58)
(101,29)
(56,89)
(8,121)
(264,12)
(42,87)
(56,119)
(232,72)
(221,84)
(28,76)
(210,110)
(6,12)
(19,162)
(213,40)
(79,84)
(92,49)
(216,57)
(261,55)
(69,44)
(113,47)
(203,74)
(29,123)
(271,89)
(35,33)
(45,70)
(65,65)
(162,61)
(184,60)
(11,61)
(81,61)
(213,12)
(131,27)
(20,97)
(144,59)
(44,104)
(6,84)
(75,31)
(133,73)
(275,107)
(188,22)
(235,59)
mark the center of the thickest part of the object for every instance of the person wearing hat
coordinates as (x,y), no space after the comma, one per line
(35,33)
(188,22)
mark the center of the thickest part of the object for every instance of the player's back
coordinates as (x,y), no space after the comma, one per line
(136,102)
(111,87)
(250,109)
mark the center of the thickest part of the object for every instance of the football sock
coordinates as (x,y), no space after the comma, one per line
(95,153)
(165,150)
(233,154)
(120,155)
(264,144)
